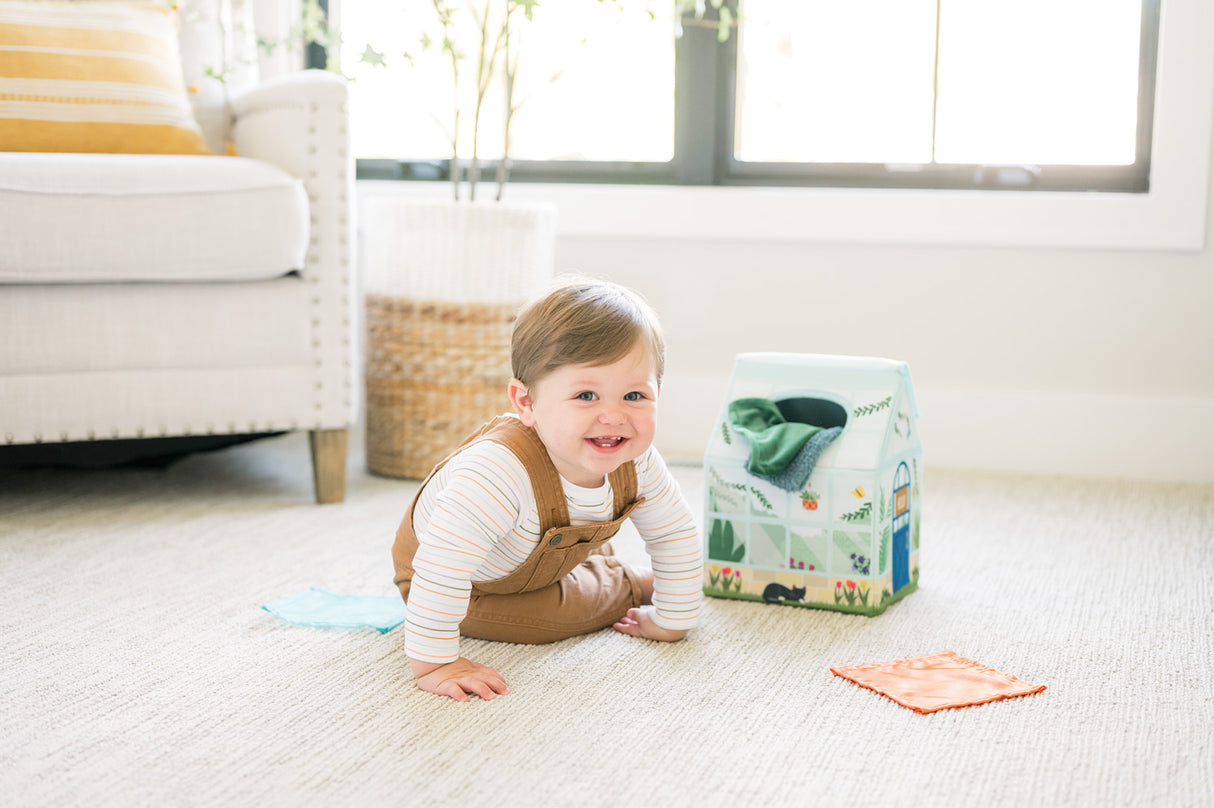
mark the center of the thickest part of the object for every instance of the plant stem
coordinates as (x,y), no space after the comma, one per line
(484,72)
(490,50)
(510,70)
(444,18)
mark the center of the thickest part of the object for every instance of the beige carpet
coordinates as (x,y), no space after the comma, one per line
(137,668)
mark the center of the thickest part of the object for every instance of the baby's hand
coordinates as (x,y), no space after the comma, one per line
(639,623)
(459,678)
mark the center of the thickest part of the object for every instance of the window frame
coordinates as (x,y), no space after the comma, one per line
(1133,178)
(1171,217)
(705,88)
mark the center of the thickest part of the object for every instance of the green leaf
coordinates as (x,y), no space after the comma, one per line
(725,25)
(372,57)
(528,6)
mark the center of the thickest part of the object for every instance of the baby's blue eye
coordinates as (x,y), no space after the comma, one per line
(586,395)
(633,396)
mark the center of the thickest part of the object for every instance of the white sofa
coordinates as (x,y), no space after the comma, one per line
(147,296)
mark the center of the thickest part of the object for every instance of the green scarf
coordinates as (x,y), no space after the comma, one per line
(774,442)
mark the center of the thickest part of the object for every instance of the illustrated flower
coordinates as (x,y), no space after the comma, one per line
(715,569)
(737,573)
(851,584)
(838,584)
(727,571)
(811,567)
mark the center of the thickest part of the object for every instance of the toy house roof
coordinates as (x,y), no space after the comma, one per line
(876,394)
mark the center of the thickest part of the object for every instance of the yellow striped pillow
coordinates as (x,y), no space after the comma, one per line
(92,77)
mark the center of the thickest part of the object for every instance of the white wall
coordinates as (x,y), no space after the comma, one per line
(1049,334)
(1084,362)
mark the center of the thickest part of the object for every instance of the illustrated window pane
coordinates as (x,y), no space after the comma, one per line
(727,541)
(851,557)
(808,551)
(768,546)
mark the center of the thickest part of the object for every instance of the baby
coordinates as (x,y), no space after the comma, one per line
(507,538)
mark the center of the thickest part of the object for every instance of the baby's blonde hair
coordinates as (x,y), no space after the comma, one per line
(583,322)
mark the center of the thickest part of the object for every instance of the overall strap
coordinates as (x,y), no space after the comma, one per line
(545,481)
(623,487)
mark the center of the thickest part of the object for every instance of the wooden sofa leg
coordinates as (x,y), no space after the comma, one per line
(328,464)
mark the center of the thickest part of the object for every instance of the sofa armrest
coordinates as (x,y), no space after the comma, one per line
(299,123)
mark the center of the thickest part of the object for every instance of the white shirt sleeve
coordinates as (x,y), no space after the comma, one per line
(673,542)
(472,524)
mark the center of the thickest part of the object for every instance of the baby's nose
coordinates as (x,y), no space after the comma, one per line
(611,415)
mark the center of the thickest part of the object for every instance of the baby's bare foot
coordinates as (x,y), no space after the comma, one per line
(639,623)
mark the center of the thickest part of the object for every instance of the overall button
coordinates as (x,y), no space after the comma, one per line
(555,540)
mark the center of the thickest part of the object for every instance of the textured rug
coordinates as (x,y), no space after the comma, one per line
(138,668)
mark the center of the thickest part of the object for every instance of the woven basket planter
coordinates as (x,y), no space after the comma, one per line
(435,372)
(445,282)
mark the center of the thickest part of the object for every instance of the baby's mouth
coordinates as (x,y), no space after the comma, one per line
(609,442)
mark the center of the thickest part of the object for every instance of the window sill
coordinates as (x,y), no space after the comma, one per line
(945,218)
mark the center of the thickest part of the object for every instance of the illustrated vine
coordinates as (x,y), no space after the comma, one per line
(764,501)
(870,409)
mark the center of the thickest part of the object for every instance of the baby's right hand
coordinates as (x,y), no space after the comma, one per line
(459,678)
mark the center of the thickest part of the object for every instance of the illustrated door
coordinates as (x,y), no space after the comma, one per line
(902,520)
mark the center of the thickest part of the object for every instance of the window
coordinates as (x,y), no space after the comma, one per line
(944,93)
(1000,94)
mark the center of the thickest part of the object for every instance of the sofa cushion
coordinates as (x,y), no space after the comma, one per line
(152,326)
(92,77)
(95,218)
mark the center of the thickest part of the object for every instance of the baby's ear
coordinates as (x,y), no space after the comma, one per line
(520,397)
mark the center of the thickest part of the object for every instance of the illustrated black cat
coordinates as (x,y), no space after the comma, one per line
(774,593)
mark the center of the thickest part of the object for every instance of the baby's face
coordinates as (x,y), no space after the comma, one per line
(593,418)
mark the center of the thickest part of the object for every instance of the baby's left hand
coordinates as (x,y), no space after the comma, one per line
(639,623)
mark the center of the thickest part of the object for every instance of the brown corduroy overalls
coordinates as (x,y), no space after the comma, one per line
(570,584)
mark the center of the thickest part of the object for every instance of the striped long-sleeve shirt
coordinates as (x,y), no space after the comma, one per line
(476,520)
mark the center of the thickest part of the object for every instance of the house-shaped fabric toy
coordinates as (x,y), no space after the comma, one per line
(845,537)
